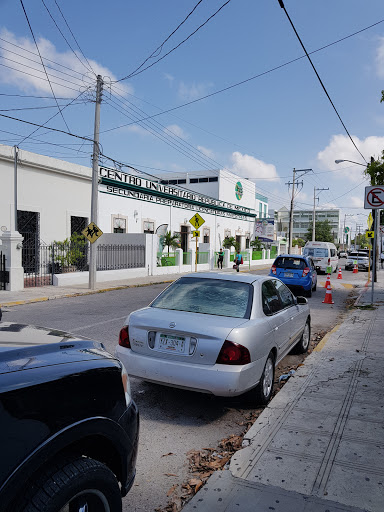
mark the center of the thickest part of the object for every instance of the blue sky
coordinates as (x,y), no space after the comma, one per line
(261,129)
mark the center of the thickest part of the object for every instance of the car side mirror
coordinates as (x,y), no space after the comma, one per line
(301,300)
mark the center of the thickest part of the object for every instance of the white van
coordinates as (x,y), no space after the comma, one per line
(324,254)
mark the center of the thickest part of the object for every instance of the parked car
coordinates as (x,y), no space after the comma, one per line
(69,427)
(361,259)
(216,333)
(343,254)
(297,272)
(324,255)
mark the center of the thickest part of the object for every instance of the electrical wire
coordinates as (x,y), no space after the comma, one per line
(237,84)
(29,96)
(160,47)
(321,82)
(65,39)
(73,35)
(175,47)
(42,63)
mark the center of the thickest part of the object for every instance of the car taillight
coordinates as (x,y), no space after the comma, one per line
(124,337)
(273,268)
(305,272)
(233,353)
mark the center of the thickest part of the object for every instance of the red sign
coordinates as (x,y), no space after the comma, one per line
(374,197)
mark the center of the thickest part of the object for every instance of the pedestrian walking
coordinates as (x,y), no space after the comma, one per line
(220,259)
(238,261)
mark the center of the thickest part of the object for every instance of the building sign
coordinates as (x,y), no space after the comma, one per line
(239,190)
(131,186)
(264,230)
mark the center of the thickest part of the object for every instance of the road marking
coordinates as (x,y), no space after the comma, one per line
(347,285)
(322,343)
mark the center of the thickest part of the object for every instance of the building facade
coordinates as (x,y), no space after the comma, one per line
(54,201)
(302,221)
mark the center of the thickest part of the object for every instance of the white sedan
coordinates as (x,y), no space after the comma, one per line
(216,333)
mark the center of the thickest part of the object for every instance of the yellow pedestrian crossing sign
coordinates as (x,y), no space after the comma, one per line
(195,234)
(92,232)
(370,234)
(197,221)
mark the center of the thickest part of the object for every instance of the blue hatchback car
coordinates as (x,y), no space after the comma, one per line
(297,272)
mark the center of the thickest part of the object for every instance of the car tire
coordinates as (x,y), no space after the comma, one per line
(263,391)
(308,293)
(80,482)
(315,287)
(303,344)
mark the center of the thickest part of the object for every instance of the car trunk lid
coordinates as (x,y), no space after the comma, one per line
(177,335)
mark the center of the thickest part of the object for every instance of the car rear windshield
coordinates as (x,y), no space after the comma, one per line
(292,263)
(316,252)
(208,296)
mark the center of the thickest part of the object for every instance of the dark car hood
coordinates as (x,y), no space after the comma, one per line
(25,346)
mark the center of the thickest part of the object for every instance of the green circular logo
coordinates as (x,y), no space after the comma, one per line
(239,190)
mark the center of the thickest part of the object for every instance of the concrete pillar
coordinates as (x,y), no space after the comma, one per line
(179,258)
(193,256)
(227,262)
(263,254)
(12,243)
(249,257)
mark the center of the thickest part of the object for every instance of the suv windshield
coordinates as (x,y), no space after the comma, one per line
(209,296)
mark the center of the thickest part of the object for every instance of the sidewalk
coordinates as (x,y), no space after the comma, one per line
(43,293)
(319,445)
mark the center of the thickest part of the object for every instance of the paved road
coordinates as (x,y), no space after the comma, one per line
(172,421)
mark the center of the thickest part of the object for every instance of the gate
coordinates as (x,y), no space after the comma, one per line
(37,262)
(4,275)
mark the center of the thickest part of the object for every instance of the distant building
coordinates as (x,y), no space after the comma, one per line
(302,221)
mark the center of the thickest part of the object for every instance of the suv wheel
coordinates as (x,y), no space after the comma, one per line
(74,485)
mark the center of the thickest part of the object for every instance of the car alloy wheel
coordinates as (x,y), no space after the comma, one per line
(268,374)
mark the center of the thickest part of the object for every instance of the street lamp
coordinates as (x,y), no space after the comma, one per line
(357,163)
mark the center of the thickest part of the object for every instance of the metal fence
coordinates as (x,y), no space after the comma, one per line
(4,275)
(202,257)
(166,259)
(58,258)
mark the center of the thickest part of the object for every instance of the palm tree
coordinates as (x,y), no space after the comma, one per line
(171,240)
(229,241)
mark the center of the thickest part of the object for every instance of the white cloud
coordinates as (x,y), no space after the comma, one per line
(341,148)
(356,202)
(207,152)
(135,128)
(176,130)
(380,58)
(36,80)
(169,78)
(188,92)
(250,167)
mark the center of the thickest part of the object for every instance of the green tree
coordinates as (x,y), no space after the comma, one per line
(323,231)
(299,242)
(171,241)
(375,170)
(229,241)
(257,244)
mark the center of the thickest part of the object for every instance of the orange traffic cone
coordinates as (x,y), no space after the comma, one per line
(355,269)
(328,281)
(328,295)
(339,275)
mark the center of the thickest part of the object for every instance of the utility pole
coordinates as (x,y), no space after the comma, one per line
(314,210)
(95,180)
(290,238)
(16,154)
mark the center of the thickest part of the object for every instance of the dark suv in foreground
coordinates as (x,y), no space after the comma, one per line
(69,428)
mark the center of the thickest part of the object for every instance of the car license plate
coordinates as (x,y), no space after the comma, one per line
(288,274)
(170,343)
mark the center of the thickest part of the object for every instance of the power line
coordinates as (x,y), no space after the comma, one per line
(31,108)
(65,39)
(321,82)
(30,96)
(237,84)
(73,35)
(42,63)
(160,47)
(175,47)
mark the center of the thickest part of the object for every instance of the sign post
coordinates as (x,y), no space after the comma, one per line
(196,221)
(374,200)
